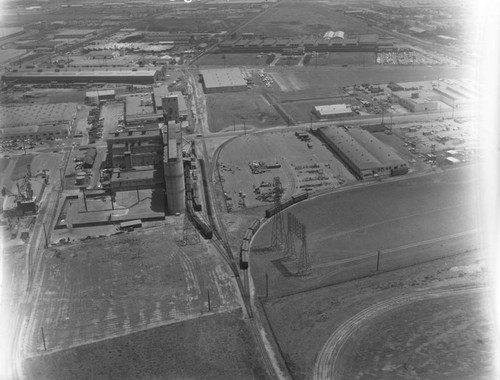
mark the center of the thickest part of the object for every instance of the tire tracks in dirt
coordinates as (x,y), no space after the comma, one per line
(331,351)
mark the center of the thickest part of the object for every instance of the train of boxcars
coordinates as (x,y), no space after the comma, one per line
(245,244)
(193,205)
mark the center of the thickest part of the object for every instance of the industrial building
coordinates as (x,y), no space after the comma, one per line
(416,103)
(73,33)
(140,110)
(362,153)
(111,76)
(331,41)
(332,110)
(99,96)
(137,178)
(173,170)
(161,92)
(130,149)
(41,131)
(35,114)
(223,80)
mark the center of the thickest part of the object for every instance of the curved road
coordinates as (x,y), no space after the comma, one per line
(332,349)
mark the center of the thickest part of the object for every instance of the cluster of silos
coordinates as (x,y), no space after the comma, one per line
(173,166)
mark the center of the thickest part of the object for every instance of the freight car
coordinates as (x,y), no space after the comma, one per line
(244,249)
(200,225)
(254,226)
(300,197)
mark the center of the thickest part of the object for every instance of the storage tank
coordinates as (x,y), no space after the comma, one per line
(173,169)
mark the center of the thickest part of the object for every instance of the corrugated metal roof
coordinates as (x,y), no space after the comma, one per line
(223,78)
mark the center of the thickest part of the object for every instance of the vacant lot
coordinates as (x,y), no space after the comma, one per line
(101,288)
(239,109)
(343,58)
(445,338)
(409,220)
(211,347)
(326,77)
(232,59)
(303,18)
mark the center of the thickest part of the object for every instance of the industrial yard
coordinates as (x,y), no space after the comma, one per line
(241,190)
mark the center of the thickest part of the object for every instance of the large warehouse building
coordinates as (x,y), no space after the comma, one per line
(223,80)
(363,153)
(112,76)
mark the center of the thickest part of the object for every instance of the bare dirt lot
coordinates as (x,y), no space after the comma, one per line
(105,287)
(236,108)
(232,59)
(443,337)
(303,18)
(409,220)
(210,347)
(314,168)
(322,77)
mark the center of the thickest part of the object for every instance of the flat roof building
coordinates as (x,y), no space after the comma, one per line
(111,76)
(362,153)
(223,80)
(332,110)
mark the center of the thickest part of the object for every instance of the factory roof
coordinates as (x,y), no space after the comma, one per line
(139,104)
(133,134)
(36,113)
(332,109)
(346,143)
(133,174)
(223,78)
(385,155)
(97,73)
(74,32)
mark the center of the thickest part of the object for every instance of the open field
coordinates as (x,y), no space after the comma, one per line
(303,18)
(332,76)
(414,345)
(301,167)
(232,59)
(446,337)
(343,58)
(426,217)
(237,108)
(210,347)
(101,288)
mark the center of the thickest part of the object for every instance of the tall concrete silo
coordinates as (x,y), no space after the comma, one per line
(173,169)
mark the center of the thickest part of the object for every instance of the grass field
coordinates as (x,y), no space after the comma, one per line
(410,220)
(101,288)
(211,347)
(341,58)
(447,338)
(232,59)
(402,345)
(237,108)
(332,76)
(302,18)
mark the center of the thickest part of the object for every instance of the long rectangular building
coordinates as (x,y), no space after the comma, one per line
(363,153)
(112,76)
(223,80)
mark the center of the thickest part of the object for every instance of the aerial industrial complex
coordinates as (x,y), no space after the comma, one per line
(241,189)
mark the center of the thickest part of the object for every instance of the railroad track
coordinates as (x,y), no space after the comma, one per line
(330,353)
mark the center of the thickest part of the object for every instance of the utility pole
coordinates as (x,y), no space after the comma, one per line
(46,239)
(85,200)
(378,259)
(245,126)
(43,338)
(267,285)
(209,306)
